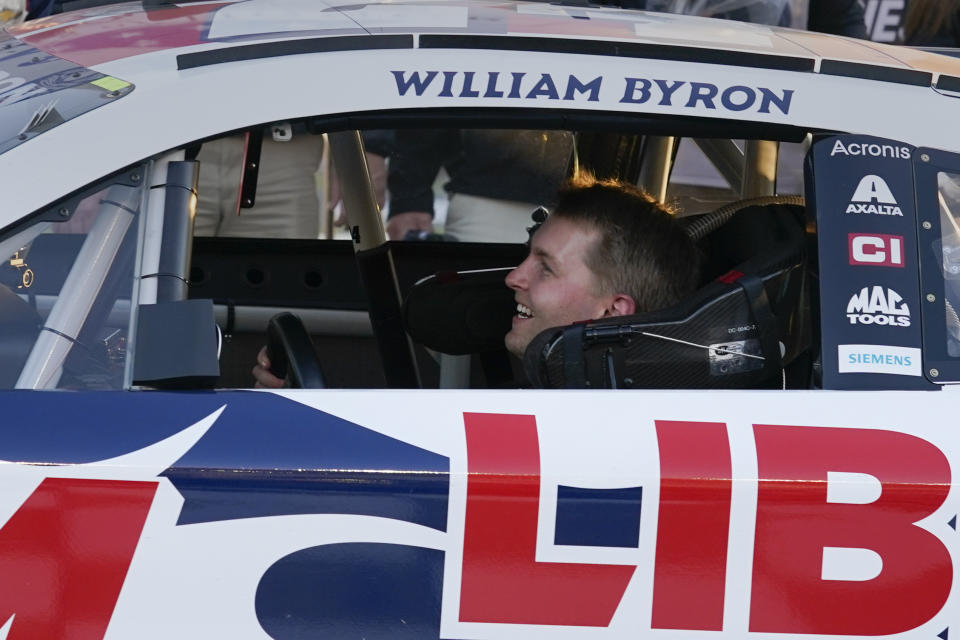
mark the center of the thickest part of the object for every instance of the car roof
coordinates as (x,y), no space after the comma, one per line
(102,34)
(194,71)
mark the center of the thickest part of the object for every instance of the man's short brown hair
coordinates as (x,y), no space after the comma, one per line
(642,250)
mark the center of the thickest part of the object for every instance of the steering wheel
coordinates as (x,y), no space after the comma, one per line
(291,353)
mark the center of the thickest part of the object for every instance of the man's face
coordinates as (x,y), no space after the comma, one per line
(554,287)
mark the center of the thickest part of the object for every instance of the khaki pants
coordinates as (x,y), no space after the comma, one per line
(286,205)
(476,219)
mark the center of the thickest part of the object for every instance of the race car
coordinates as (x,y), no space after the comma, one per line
(769,458)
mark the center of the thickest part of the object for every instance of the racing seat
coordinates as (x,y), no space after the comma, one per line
(739,330)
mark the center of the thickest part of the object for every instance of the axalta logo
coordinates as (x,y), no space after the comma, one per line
(872,150)
(875,358)
(880,306)
(875,249)
(873,195)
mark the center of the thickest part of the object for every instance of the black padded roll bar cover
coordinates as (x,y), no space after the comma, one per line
(180,202)
(176,345)
(460,312)
(21,324)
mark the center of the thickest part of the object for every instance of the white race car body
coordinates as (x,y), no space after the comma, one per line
(820,512)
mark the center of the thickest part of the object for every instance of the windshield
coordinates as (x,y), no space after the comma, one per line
(65,290)
(39,91)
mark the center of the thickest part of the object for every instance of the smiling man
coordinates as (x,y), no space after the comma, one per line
(608,249)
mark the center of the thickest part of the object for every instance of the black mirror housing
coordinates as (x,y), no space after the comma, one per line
(177,346)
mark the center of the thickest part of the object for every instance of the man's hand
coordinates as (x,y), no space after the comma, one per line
(262,374)
(399,224)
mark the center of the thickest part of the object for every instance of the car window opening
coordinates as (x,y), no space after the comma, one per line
(358,292)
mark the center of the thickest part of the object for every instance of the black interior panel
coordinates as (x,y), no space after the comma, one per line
(322,273)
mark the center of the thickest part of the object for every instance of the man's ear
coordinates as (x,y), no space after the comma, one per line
(622,305)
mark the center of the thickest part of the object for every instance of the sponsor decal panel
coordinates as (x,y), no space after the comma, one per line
(874,358)
(878,306)
(875,249)
(866,223)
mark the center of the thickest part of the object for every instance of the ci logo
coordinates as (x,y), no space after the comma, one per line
(878,250)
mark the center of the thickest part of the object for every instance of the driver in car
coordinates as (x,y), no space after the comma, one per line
(608,249)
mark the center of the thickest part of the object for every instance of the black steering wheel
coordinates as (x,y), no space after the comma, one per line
(291,353)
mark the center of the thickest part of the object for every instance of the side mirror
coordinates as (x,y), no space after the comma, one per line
(177,345)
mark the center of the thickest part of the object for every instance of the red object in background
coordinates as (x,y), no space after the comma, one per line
(122,35)
(65,554)
(730,277)
(795,522)
(502,580)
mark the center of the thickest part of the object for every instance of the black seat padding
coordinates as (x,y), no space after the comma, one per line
(724,336)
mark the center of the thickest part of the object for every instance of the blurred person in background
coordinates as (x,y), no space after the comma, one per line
(11,12)
(840,17)
(497,177)
(932,23)
(287,204)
